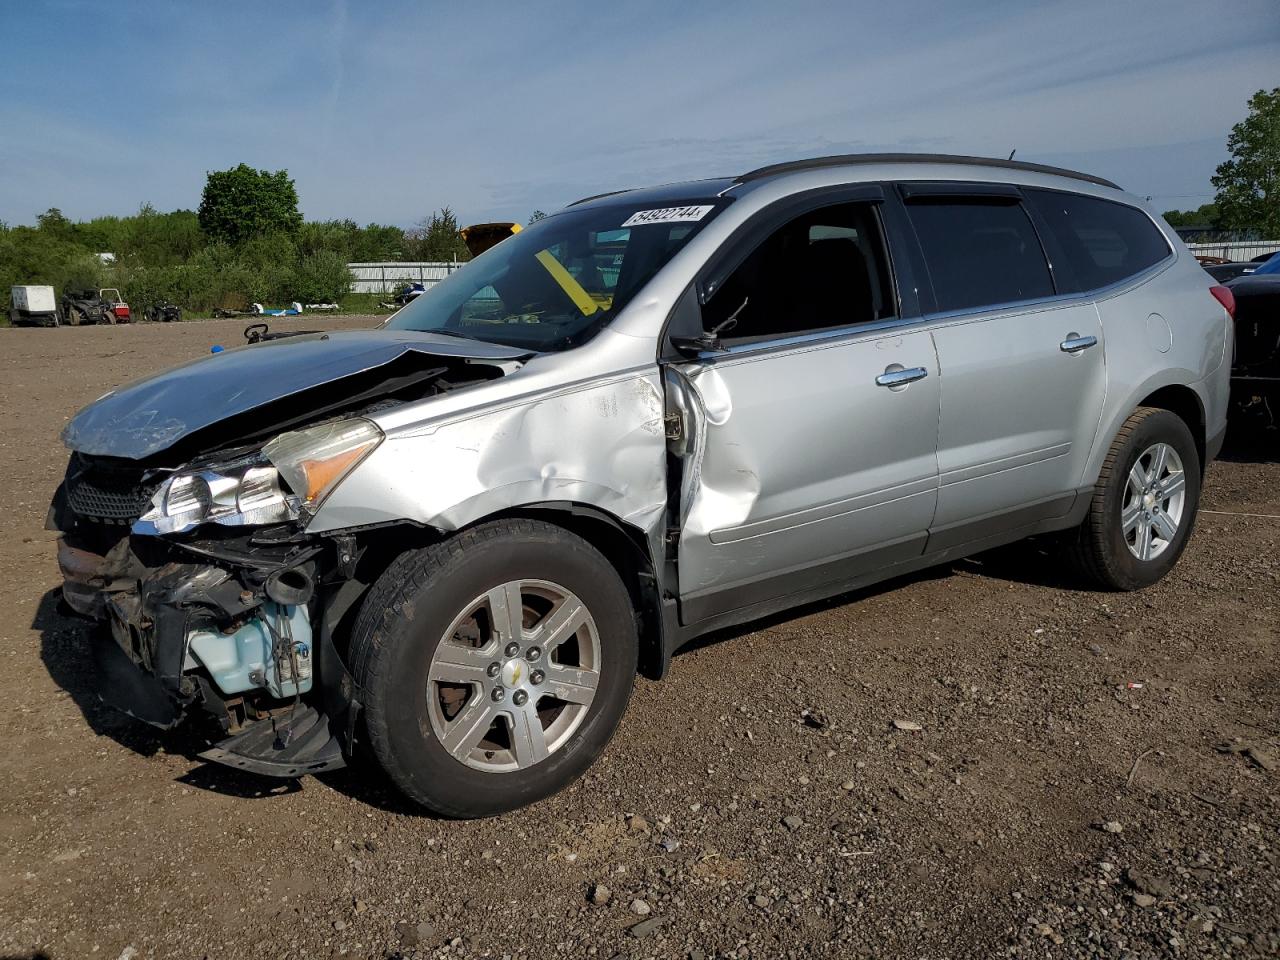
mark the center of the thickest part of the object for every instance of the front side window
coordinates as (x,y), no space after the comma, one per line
(556,284)
(1104,242)
(824,269)
(979,253)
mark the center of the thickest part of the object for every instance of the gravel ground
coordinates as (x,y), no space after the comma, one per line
(983,760)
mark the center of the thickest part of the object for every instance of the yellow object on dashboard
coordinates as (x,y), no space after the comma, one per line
(581,299)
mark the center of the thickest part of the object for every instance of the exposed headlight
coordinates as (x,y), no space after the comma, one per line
(289,478)
(312,462)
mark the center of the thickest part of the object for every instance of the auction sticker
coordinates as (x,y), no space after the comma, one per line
(667,215)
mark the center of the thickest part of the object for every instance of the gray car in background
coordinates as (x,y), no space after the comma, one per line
(454,540)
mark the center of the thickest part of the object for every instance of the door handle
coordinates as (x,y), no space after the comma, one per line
(896,375)
(1076,343)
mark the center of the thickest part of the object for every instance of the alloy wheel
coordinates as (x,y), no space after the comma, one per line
(1154,500)
(514,676)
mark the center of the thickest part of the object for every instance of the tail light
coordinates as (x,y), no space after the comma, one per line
(1225,297)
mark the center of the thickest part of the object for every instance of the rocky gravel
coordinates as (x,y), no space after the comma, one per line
(984,760)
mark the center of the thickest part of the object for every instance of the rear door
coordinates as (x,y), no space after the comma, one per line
(813,426)
(1022,371)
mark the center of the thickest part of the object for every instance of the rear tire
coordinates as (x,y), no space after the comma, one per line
(454,682)
(1144,504)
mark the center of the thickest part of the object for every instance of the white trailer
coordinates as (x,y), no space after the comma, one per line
(33,304)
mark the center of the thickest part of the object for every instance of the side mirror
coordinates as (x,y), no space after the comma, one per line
(708,340)
(693,347)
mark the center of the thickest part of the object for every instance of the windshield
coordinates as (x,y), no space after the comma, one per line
(555,284)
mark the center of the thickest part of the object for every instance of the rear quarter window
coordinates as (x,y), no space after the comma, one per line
(980,253)
(1104,242)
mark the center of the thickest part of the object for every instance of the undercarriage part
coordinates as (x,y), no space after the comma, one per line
(184,636)
(1256,401)
(292,744)
(290,586)
(122,686)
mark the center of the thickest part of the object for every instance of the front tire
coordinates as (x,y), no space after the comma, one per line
(1144,503)
(495,666)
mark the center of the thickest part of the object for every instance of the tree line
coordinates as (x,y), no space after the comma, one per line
(247,242)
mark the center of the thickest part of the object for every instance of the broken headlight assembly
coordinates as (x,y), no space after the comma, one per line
(287,479)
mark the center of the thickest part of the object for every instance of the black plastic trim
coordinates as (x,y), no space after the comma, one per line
(949,190)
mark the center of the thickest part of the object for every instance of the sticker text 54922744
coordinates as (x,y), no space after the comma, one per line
(667,215)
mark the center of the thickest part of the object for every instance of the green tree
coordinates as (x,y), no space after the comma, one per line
(379,242)
(321,277)
(1248,184)
(54,224)
(1206,215)
(241,203)
(536,216)
(438,238)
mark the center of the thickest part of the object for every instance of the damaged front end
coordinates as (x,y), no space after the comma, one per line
(225,625)
(185,537)
(218,619)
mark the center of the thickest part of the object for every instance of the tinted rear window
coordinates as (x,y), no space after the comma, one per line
(1103,242)
(980,253)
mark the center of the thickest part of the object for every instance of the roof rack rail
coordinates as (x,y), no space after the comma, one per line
(862,158)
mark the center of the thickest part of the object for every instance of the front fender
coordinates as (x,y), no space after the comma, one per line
(601,444)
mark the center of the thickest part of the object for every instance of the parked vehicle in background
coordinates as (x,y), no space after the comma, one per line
(1264,257)
(654,414)
(162,312)
(1269,267)
(104,306)
(33,305)
(480,237)
(1222,272)
(1255,373)
(1207,260)
(404,293)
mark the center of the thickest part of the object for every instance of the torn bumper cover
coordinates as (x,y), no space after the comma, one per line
(178,637)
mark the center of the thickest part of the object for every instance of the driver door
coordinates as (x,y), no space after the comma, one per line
(811,455)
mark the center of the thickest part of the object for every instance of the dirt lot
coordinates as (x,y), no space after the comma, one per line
(759,802)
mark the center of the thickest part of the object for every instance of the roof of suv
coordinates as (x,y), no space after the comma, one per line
(706,188)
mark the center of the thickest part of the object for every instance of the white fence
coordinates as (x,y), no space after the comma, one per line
(1236,250)
(385,277)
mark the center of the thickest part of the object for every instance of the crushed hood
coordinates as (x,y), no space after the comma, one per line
(152,415)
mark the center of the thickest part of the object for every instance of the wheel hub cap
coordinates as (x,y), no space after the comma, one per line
(514,673)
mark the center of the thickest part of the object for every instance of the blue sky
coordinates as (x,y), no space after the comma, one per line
(384,111)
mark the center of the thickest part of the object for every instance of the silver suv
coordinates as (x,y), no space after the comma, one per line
(454,540)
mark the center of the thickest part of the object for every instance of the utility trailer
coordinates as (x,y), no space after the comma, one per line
(34,305)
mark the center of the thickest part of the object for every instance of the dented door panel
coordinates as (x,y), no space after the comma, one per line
(799,460)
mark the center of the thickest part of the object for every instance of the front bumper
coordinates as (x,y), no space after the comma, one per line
(155,604)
